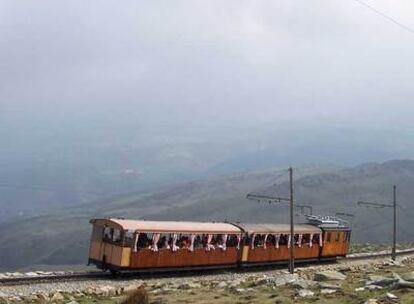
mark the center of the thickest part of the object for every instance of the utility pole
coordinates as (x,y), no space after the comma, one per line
(394,229)
(279,199)
(292,230)
(394,234)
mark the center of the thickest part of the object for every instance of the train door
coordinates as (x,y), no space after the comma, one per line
(107,247)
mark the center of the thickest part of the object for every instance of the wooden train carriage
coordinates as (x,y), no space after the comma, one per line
(119,244)
(336,242)
(270,243)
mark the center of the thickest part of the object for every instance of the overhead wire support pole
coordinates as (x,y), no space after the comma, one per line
(292,230)
(394,224)
(270,198)
(394,234)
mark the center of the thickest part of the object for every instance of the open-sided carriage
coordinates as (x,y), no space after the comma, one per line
(119,244)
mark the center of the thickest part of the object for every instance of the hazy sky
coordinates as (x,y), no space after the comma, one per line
(205,62)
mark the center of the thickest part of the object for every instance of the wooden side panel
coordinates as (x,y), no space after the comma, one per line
(245,253)
(334,246)
(102,251)
(343,242)
(271,254)
(116,256)
(126,257)
(145,258)
(107,252)
(95,250)
(112,253)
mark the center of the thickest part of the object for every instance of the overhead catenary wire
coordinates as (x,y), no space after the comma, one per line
(291,205)
(394,222)
(400,228)
(385,16)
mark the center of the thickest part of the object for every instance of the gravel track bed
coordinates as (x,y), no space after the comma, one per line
(205,279)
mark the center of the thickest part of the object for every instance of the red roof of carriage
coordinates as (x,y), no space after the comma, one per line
(169,226)
(202,227)
(279,228)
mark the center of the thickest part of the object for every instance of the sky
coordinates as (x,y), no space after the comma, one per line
(205,63)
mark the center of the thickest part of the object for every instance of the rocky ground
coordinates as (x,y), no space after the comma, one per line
(363,281)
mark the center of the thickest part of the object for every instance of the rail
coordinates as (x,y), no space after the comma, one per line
(379,254)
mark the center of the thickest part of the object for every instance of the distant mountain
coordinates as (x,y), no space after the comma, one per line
(337,146)
(40,170)
(61,236)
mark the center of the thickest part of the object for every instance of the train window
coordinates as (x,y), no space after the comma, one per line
(143,241)
(129,238)
(183,241)
(315,239)
(198,241)
(222,241)
(306,239)
(283,241)
(299,239)
(271,240)
(116,236)
(259,240)
(328,237)
(247,239)
(232,241)
(296,239)
(218,240)
(108,233)
(164,241)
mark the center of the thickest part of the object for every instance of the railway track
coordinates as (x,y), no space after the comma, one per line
(381,254)
(96,275)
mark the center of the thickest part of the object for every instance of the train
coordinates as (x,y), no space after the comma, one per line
(120,245)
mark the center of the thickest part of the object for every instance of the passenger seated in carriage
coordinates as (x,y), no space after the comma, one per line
(143,241)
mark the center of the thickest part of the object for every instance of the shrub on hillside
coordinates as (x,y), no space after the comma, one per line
(139,296)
